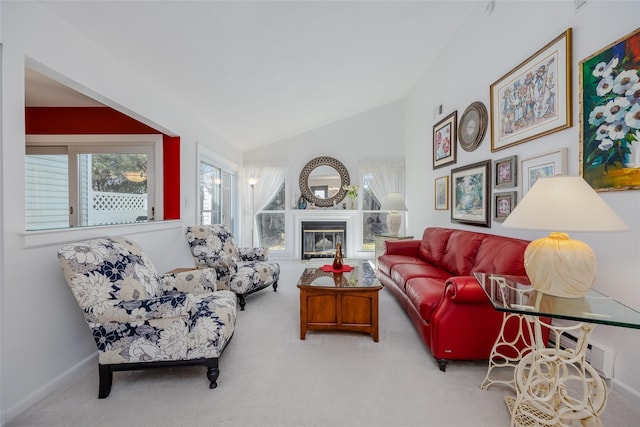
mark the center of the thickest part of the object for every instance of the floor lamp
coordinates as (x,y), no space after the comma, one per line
(252,185)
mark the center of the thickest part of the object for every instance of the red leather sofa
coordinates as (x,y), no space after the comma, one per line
(433,281)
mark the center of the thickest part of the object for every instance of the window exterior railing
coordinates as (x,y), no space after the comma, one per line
(116,208)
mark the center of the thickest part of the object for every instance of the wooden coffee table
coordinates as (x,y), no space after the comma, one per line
(339,301)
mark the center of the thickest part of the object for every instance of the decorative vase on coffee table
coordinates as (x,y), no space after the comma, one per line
(338,279)
(337,259)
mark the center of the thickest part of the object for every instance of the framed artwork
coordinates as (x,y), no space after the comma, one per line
(503,204)
(441,194)
(444,141)
(505,172)
(470,193)
(543,165)
(473,126)
(610,116)
(533,99)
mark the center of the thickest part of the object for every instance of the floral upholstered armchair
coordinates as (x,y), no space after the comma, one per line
(142,319)
(241,270)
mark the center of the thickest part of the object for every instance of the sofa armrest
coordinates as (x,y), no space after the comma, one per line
(402,247)
(465,290)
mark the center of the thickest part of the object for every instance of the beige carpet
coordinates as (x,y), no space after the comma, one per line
(269,377)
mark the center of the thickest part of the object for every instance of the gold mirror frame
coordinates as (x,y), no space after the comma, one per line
(303,182)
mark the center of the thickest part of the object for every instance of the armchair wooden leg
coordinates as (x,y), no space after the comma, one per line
(106,378)
(275,286)
(442,364)
(212,372)
(106,371)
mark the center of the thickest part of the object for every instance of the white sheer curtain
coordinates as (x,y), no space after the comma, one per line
(384,178)
(270,178)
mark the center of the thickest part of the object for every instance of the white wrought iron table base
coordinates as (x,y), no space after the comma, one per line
(555,386)
(506,353)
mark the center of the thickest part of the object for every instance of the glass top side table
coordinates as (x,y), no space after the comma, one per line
(594,307)
(554,386)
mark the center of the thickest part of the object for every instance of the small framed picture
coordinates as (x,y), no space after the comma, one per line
(541,166)
(503,204)
(444,141)
(471,193)
(505,172)
(441,197)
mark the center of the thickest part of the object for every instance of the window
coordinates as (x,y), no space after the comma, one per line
(218,195)
(373,221)
(271,222)
(91,180)
(378,180)
(47,190)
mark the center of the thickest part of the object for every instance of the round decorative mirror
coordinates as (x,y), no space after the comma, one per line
(322,181)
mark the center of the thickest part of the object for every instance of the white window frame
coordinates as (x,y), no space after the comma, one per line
(149,144)
(205,155)
(282,211)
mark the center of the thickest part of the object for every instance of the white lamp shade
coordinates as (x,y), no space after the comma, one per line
(564,203)
(558,265)
(394,202)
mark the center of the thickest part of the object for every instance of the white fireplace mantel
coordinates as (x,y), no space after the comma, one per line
(349,216)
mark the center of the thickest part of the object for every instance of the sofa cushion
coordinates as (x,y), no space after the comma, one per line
(434,244)
(501,255)
(401,273)
(387,262)
(460,255)
(425,294)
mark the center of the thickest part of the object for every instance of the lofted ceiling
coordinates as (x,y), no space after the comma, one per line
(260,71)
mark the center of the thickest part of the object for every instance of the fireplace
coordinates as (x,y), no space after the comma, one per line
(319,238)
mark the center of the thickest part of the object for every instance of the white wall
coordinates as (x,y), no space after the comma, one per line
(374,135)
(371,136)
(2,417)
(44,338)
(480,52)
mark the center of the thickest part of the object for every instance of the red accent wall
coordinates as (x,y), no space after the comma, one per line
(171,158)
(105,120)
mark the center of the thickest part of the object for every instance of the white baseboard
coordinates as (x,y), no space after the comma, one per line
(56,383)
(627,392)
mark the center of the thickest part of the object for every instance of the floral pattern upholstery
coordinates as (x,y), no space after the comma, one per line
(241,270)
(137,315)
